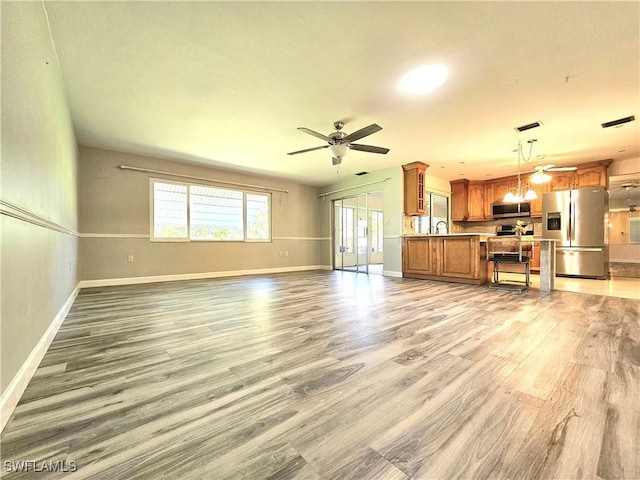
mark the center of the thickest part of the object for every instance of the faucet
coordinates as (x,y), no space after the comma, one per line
(446,227)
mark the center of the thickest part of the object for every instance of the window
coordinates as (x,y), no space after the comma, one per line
(257,216)
(376,231)
(436,211)
(183,212)
(216,214)
(169,210)
(634,230)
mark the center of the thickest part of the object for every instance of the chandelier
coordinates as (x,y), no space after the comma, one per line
(521,193)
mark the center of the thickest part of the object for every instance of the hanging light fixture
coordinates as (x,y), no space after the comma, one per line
(521,193)
(540,176)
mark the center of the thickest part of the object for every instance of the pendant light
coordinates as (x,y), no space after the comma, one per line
(521,193)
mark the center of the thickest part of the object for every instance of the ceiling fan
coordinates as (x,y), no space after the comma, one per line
(553,168)
(539,175)
(339,143)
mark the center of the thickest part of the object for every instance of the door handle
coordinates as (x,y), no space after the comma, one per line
(579,249)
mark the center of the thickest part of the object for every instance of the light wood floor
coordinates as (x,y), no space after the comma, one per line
(334,375)
(624,287)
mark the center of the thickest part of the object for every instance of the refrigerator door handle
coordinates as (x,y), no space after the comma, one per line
(579,249)
(572,218)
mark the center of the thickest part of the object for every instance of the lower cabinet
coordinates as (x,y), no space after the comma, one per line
(535,258)
(455,258)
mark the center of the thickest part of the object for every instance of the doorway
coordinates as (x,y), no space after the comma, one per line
(358,233)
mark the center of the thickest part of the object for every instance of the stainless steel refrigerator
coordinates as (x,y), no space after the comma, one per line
(579,221)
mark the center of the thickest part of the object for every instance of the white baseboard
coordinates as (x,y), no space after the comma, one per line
(11,396)
(392,273)
(107,282)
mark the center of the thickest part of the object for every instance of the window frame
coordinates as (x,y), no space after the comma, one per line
(188,239)
(428,217)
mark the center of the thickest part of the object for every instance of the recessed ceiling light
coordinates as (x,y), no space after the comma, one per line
(424,79)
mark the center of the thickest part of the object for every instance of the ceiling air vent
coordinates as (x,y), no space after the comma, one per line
(529,126)
(361,173)
(620,121)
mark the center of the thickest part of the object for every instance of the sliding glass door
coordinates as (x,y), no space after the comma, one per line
(358,233)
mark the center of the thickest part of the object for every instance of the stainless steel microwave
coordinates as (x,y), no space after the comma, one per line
(511,210)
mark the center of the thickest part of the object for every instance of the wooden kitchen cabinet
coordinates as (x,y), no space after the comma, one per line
(587,175)
(414,199)
(488,200)
(535,257)
(562,181)
(592,176)
(451,258)
(536,205)
(459,200)
(502,185)
(418,256)
(476,200)
(460,258)
(467,200)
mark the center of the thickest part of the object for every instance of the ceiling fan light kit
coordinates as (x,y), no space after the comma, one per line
(540,177)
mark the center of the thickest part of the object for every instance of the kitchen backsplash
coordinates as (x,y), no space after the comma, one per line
(490,226)
(408,225)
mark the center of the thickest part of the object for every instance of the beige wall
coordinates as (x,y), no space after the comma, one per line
(38,270)
(114,223)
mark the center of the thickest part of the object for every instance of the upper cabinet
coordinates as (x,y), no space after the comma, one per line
(536,204)
(460,200)
(414,200)
(471,200)
(467,200)
(587,175)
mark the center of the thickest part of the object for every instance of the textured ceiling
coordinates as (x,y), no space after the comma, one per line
(227,83)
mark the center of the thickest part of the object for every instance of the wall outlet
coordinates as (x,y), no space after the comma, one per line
(130,259)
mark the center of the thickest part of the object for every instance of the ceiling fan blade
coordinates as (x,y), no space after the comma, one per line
(315,134)
(336,160)
(542,168)
(562,169)
(308,150)
(368,148)
(363,132)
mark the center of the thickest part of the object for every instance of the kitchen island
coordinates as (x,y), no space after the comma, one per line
(457,257)
(462,258)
